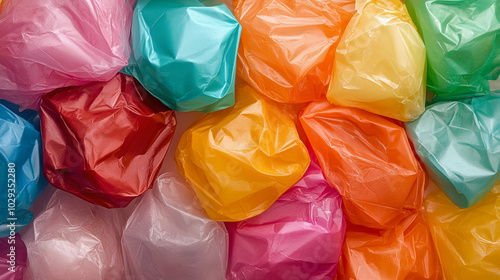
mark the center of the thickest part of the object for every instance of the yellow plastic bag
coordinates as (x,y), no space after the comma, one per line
(380,62)
(467,240)
(241,159)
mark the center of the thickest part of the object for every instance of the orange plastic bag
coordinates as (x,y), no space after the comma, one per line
(404,252)
(287,47)
(241,159)
(370,161)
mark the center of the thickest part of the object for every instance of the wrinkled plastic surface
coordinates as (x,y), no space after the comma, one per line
(20,144)
(467,240)
(240,160)
(105,142)
(184,53)
(459,142)
(74,239)
(463,45)
(368,158)
(12,258)
(404,252)
(288,47)
(300,235)
(169,236)
(380,63)
(88,42)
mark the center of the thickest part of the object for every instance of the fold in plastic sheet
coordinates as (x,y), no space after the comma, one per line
(369,160)
(380,62)
(299,237)
(170,236)
(459,143)
(287,47)
(467,240)
(404,252)
(105,142)
(240,160)
(88,42)
(12,262)
(74,239)
(20,170)
(184,53)
(463,46)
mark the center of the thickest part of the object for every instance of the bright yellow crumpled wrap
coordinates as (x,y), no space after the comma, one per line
(380,62)
(241,159)
(467,240)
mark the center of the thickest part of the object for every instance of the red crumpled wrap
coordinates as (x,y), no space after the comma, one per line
(370,161)
(105,141)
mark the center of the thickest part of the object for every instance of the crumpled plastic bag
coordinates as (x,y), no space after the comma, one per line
(369,160)
(12,262)
(404,252)
(240,160)
(20,170)
(300,235)
(467,240)
(73,239)
(105,141)
(463,45)
(88,42)
(459,143)
(288,47)
(184,53)
(169,236)
(380,62)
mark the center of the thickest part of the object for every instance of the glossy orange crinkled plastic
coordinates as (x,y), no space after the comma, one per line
(241,159)
(370,161)
(287,48)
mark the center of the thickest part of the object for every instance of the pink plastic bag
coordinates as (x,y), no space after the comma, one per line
(12,262)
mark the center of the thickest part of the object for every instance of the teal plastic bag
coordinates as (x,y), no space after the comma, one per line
(462,38)
(184,53)
(459,142)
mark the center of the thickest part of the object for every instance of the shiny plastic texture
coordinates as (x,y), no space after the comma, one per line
(467,240)
(369,160)
(20,169)
(463,45)
(240,160)
(402,253)
(300,235)
(380,63)
(169,236)
(459,143)
(74,239)
(287,47)
(184,53)
(88,42)
(12,262)
(105,142)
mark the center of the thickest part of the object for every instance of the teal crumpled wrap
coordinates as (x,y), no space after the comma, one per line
(462,38)
(184,53)
(21,147)
(459,143)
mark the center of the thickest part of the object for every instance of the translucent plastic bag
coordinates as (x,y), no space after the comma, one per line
(184,53)
(88,42)
(467,240)
(240,160)
(287,47)
(459,143)
(105,142)
(12,262)
(380,62)
(463,45)
(300,235)
(369,160)
(169,236)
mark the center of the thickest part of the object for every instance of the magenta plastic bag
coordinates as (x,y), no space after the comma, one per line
(51,44)
(170,236)
(12,258)
(299,237)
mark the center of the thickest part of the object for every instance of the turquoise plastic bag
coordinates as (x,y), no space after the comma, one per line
(459,142)
(184,53)
(462,38)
